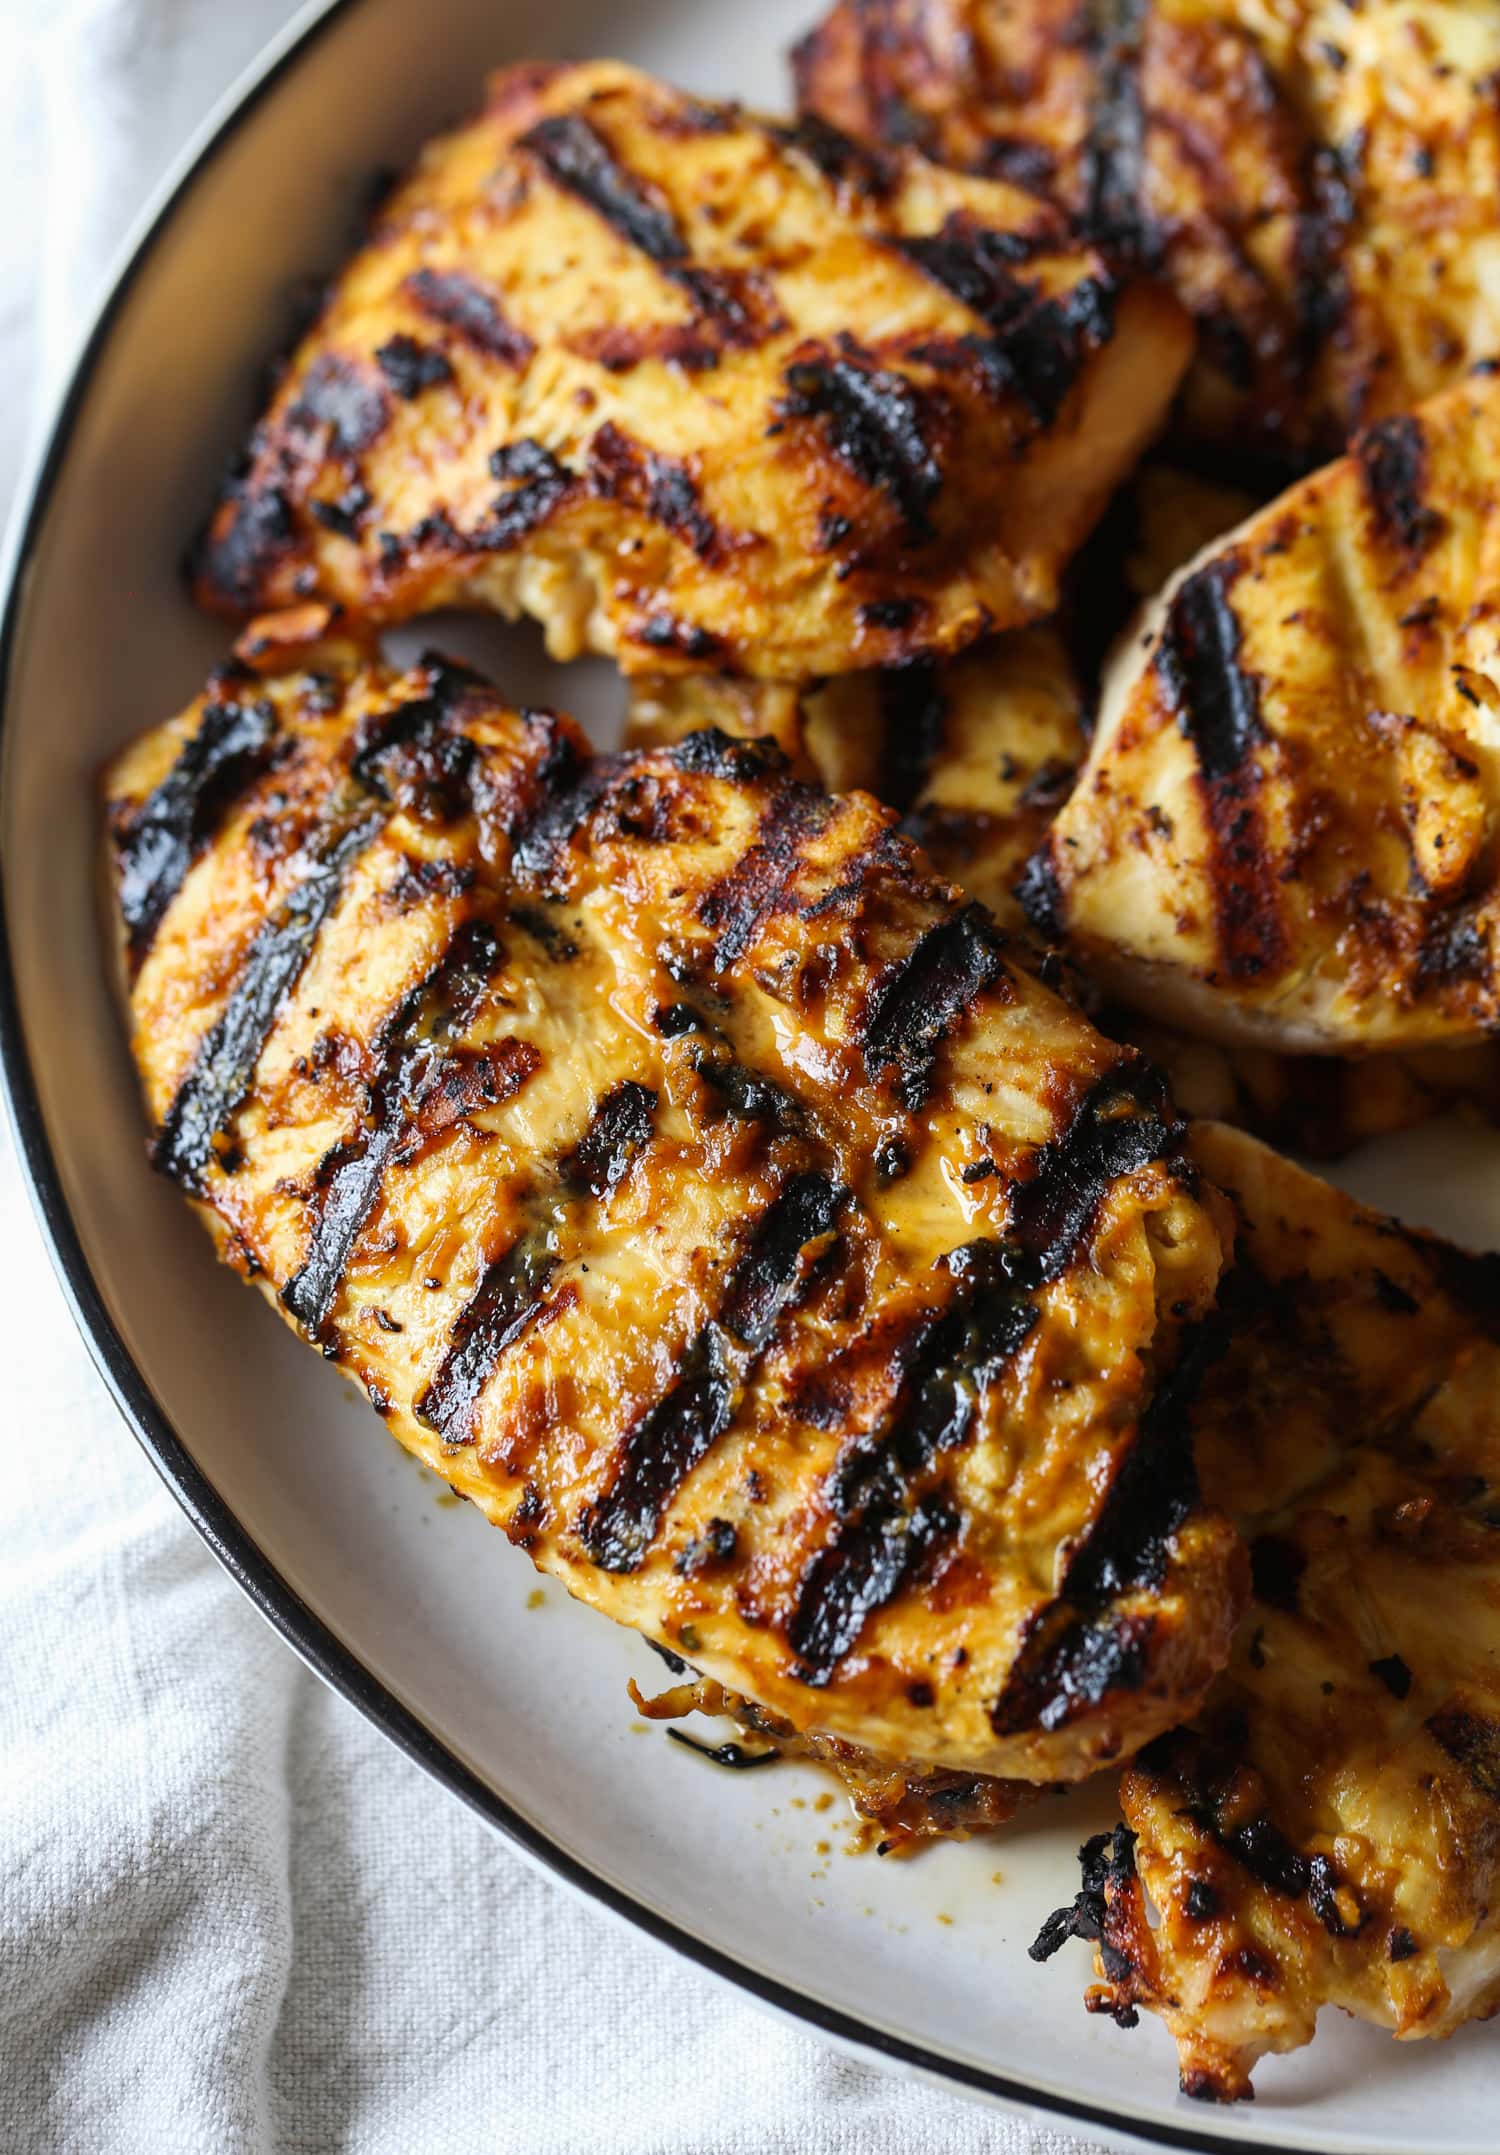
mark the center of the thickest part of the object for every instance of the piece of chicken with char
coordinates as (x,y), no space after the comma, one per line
(1287,833)
(695,389)
(1314,180)
(704,1190)
(975,755)
(1327,1832)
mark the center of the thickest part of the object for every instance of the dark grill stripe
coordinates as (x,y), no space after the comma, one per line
(741,902)
(1393,465)
(504,1305)
(1217,706)
(880,426)
(914,721)
(888,1518)
(914,1008)
(513,1289)
(576,157)
(977,266)
(536,484)
(1076,1650)
(388,757)
(161,841)
(655,1458)
(618,1129)
(569,784)
(471,311)
(413,1064)
(1040,357)
(224,1068)
(1114,149)
(1122,1124)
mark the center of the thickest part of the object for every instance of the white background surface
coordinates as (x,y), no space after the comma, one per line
(231,1918)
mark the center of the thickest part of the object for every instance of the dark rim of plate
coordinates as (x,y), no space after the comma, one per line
(231,1544)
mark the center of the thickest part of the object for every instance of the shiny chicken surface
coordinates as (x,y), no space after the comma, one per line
(700,1187)
(1316,181)
(1328,1831)
(1288,829)
(696,390)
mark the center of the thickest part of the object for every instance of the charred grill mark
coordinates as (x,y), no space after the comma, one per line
(661,487)
(804,1214)
(618,1130)
(888,1517)
(1124,1123)
(1039,894)
(1114,148)
(658,1454)
(410,367)
(387,750)
(880,426)
(1322,287)
(413,1063)
(576,157)
(655,1457)
(568,784)
(507,1301)
(223,1069)
(1040,355)
(1077,1649)
(843,162)
(536,484)
(1393,466)
(914,720)
(740,903)
(916,1005)
(662,631)
(338,395)
(977,266)
(237,561)
(156,847)
(1217,706)
(513,1291)
(473,313)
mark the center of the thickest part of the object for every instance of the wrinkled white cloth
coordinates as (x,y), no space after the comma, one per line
(232,1918)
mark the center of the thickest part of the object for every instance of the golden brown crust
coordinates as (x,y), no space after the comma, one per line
(1328,1830)
(1314,181)
(706,1192)
(696,394)
(1288,829)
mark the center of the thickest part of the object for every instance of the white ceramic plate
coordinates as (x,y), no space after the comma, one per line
(418,1612)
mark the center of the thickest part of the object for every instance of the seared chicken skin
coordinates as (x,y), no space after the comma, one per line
(1288,829)
(703,1190)
(976,756)
(697,390)
(1328,1831)
(1316,181)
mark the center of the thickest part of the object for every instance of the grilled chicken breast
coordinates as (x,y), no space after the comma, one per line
(703,1190)
(975,756)
(1315,181)
(1288,829)
(697,390)
(1328,1830)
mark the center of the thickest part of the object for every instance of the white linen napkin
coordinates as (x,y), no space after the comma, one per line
(232,1918)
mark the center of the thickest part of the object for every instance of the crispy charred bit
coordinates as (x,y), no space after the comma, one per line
(977,267)
(879,424)
(663,486)
(576,156)
(567,1147)
(1198,657)
(410,367)
(461,303)
(1107,1862)
(1392,457)
(338,397)
(417,1062)
(535,484)
(156,844)
(917,1004)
